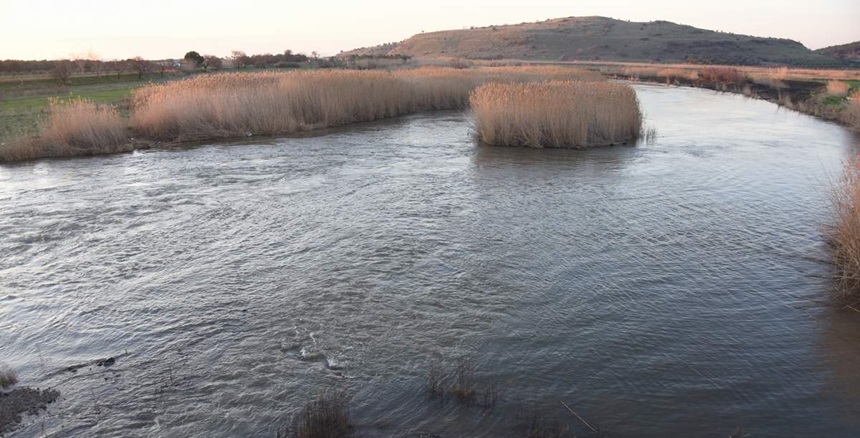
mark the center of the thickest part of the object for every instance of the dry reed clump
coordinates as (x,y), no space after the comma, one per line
(77,127)
(267,103)
(722,75)
(676,74)
(460,384)
(326,417)
(8,376)
(572,114)
(83,124)
(837,88)
(844,233)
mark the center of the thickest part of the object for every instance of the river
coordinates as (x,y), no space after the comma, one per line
(678,287)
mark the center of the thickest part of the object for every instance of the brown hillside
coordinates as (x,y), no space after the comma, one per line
(850,51)
(606,39)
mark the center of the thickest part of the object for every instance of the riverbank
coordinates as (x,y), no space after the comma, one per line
(236,105)
(830,95)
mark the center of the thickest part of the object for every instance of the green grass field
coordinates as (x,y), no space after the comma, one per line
(24,100)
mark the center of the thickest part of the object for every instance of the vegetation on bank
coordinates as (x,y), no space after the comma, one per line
(231,105)
(572,114)
(25,101)
(269,103)
(827,94)
(844,232)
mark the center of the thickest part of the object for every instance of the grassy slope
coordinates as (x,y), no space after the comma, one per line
(600,38)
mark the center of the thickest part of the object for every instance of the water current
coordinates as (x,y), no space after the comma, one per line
(677,287)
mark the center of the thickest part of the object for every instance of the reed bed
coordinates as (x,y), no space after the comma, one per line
(77,127)
(233,105)
(571,114)
(268,103)
(673,74)
(844,233)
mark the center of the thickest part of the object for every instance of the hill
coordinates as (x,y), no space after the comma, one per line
(849,52)
(604,39)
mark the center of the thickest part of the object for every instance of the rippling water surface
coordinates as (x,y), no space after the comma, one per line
(670,289)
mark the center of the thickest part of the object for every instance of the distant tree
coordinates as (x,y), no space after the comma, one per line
(62,71)
(264,60)
(80,63)
(94,63)
(194,59)
(240,59)
(211,62)
(140,66)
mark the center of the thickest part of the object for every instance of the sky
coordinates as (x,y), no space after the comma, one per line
(159,29)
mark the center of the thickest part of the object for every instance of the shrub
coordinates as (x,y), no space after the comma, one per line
(62,71)
(556,114)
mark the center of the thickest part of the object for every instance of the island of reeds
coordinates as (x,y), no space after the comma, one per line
(557,114)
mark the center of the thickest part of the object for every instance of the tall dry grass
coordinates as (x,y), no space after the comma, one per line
(264,103)
(851,114)
(837,88)
(77,127)
(267,103)
(674,74)
(573,114)
(643,70)
(83,124)
(845,231)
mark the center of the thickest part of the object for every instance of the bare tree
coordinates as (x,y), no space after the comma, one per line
(62,71)
(141,66)
(95,62)
(240,59)
(212,62)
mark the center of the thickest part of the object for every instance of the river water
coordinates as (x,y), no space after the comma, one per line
(673,288)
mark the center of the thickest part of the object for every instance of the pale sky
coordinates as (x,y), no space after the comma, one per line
(155,29)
